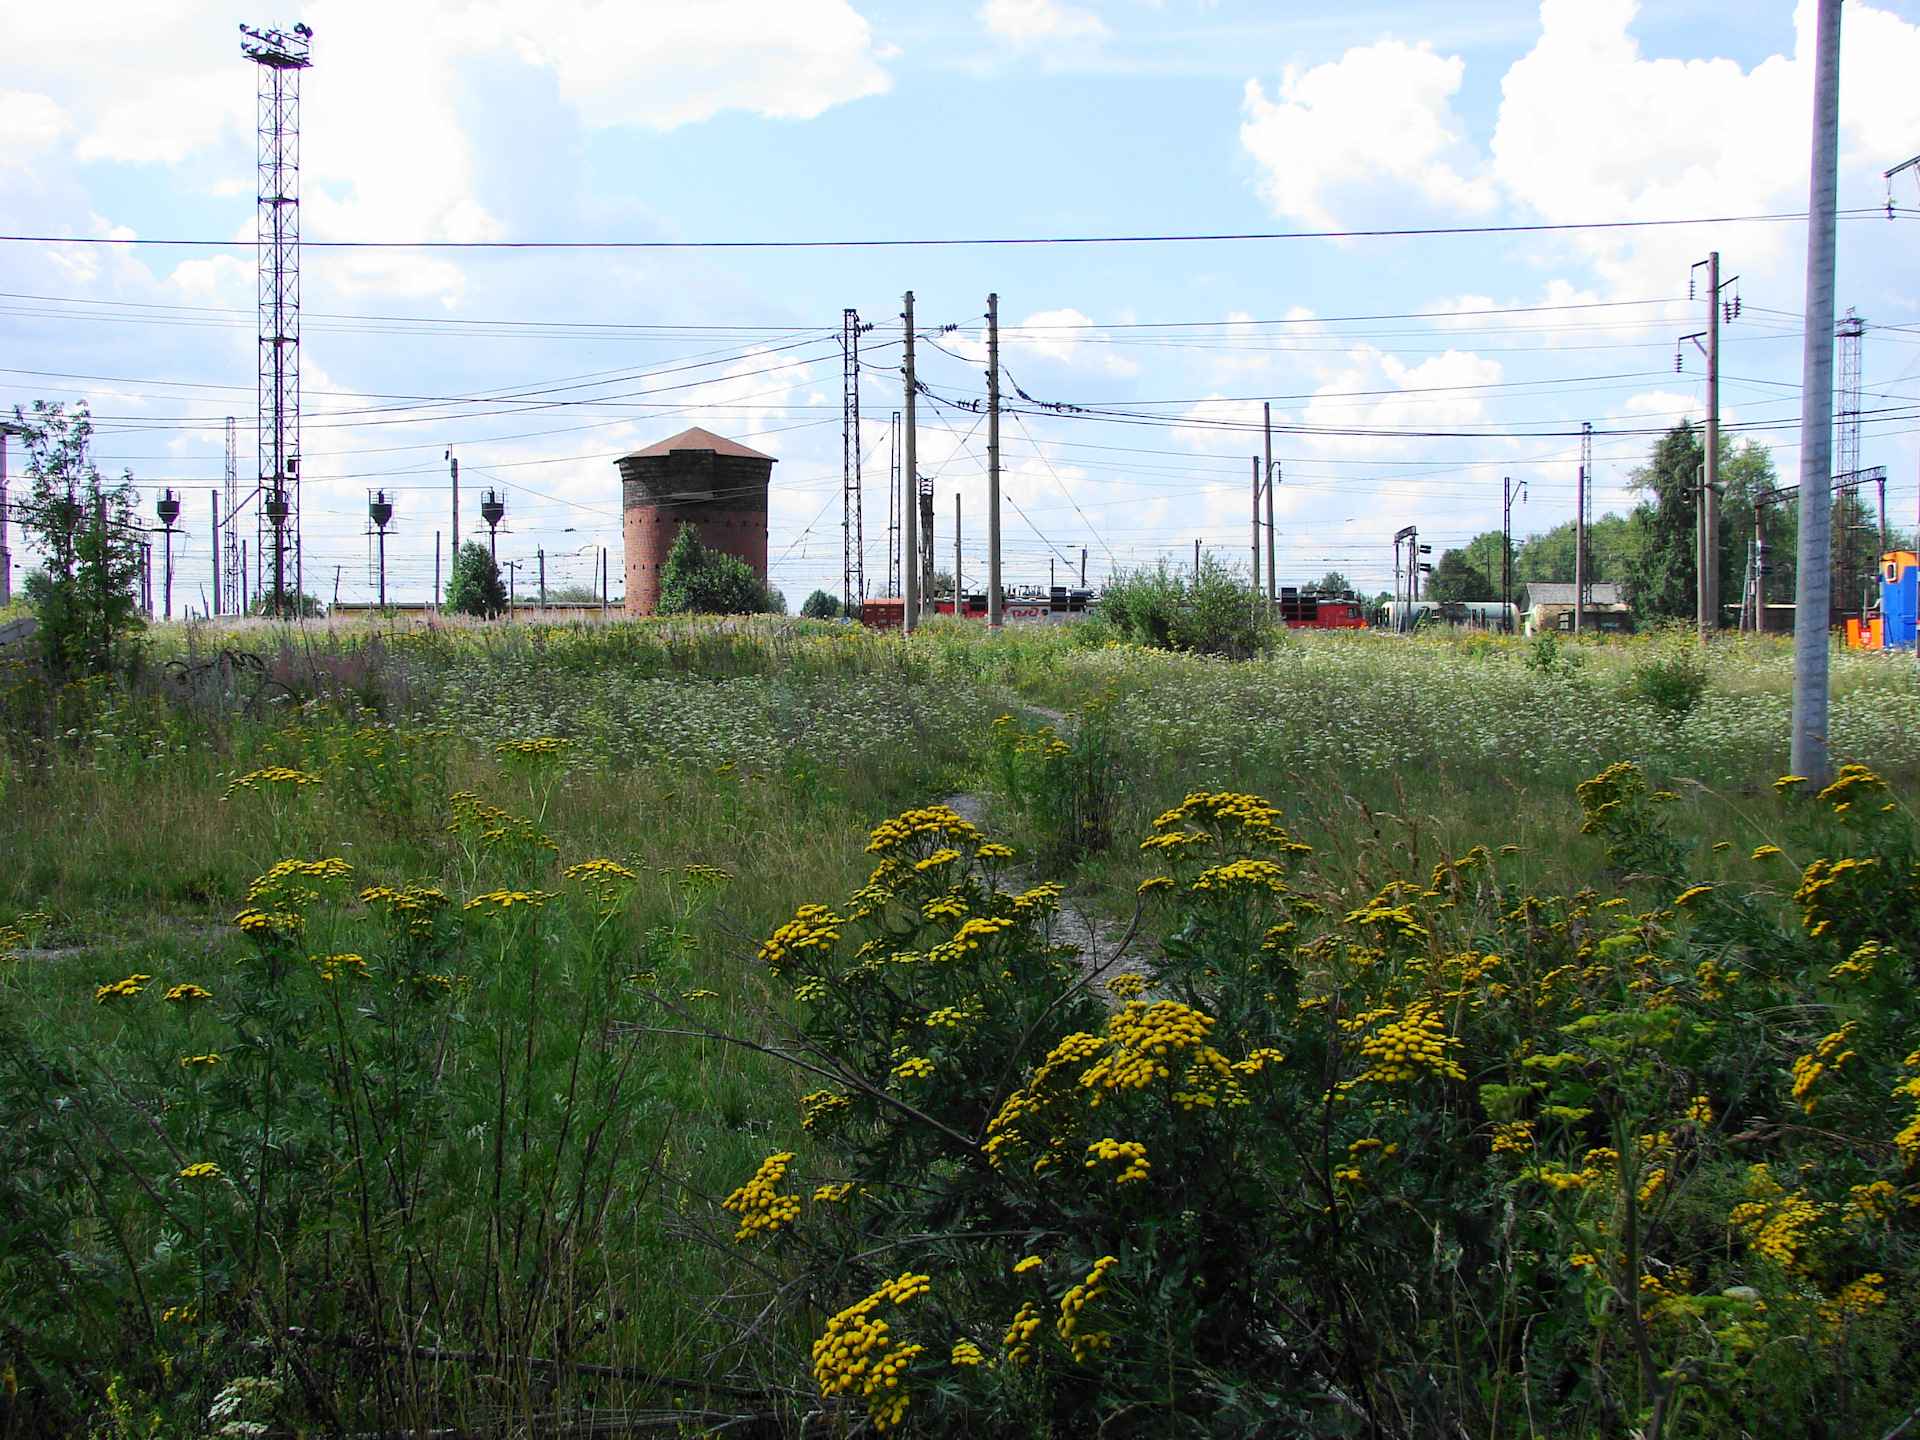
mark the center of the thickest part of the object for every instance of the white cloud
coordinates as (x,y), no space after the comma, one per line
(1441,393)
(1071,338)
(1374,124)
(1025,22)
(28,121)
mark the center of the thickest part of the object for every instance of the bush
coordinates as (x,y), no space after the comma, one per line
(475,587)
(820,606)
(697,581)
(1213,612)
(1453,1159)
(1671,683)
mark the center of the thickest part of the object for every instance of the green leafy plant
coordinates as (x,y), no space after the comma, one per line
(475,587)
(697,581)
(1211,611)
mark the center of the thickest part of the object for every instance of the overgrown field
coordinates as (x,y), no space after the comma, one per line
(565,1031)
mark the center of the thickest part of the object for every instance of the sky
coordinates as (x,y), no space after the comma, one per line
(1407,376)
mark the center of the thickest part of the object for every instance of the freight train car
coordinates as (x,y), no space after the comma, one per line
(1321,609)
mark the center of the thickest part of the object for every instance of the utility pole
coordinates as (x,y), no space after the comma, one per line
(958,611)
(1083,567)
(1814,576)
(231,596)
(1256,524)
(1580,529)
(513,577)
(436,569)
(993,462)
(1508,490)
(910,464)
(603,584)
(543,583)
(6,555)
(1707,503)
(453,470)
(1846,450)
(215,496)
(1273,477)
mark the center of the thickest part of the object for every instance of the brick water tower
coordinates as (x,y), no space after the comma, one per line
(718,486)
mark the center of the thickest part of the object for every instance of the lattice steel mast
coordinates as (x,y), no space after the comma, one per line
(281,57)
(853,565)
(1846,454)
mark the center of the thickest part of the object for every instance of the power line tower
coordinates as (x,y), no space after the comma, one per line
(1846,456)
(281,57)
(229,599)
(853,566)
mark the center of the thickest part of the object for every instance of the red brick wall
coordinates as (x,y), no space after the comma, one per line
(649,532)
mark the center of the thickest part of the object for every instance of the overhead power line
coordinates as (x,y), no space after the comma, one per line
(1404,232)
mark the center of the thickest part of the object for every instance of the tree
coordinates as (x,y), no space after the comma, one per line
(475,588)
(1333,583)
(698,581)
(1664,581)
(1613,541)
(1454,579)
(84,595)
(820,606)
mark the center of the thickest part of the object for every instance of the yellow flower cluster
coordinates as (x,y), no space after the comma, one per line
(599,870)
(1767,852)
(698,874)
(934,823)
(201,1170)
(273,884)
(1856,1297)
(853,1354)
(833,1194)
(1127,986)
(410,908)
(493,826)
(1143,1034)
(1130,1151)
(270,924)
(1076,1300)
(1258,1060)
(1032,1262)
(1855,782)
(1418,1041)
(1154,885)
(293,780)
(965,1352)
(1779,1225)
(332,967)
(1037,1093)
(186,994)
(187,1062)
(954,1017)
(993,850)
(1597,1167)
(1700,1112)
(758,1203)
(1607,793)
(939,857)
(120,989)
(1808,1069)
(820,1109)
(1821,877)
(1018,1341)
(812,928)
(1859,965)
(532,749)
(1239,875)
(179,1315)
(914,1067)
(1515,1137)
(496,902)
(969,936)
(1242,817)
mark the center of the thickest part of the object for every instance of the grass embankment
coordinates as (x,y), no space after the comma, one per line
(443,1116)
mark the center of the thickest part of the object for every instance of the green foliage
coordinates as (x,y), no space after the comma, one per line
(698,581)
(1454,578)
(1672,683)
(292,604)
(85,593)
(820,606)
(475,587)
(1478,1160)
(1212,612)
(1066,782)
(1614,543)
(1333,583)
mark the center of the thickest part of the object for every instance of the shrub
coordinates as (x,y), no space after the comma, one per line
(1671,683)
(475,587)
(697,581)
(820,606)
(1212,612)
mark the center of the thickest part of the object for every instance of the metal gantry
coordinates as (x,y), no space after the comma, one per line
(281,57)
(231,599)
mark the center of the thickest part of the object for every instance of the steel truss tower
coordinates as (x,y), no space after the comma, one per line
(281,57)
(853,566)
(1846,457)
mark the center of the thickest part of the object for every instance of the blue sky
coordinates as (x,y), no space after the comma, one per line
(1407,376)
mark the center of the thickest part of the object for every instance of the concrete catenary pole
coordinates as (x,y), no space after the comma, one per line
(1580,551)
(993,462)
(959,606)
(453,548)
(1266,469)
(1813,580)
(1256,523)
(1710,490)
(910,477)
